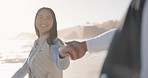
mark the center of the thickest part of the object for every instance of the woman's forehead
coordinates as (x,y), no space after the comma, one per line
(44,12)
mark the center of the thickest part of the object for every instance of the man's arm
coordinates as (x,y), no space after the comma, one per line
(97,44)
(101,42)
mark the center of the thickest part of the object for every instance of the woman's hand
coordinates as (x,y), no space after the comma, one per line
(67,51)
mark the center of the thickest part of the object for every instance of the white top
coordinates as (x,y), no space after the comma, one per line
(101,42)
(144,42)
(43,61)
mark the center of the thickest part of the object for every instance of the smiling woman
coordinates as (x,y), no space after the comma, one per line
(44,59)
(44,22)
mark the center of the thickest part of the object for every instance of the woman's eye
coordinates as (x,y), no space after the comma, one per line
(49,18)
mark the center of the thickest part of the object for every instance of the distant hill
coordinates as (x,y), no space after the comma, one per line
(85,32)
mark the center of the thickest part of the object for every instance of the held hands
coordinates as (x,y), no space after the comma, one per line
(80,49)
(67,51)
(74,49)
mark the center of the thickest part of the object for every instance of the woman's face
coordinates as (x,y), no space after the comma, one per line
(44,21)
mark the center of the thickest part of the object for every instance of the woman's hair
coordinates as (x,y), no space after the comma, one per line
(53,30)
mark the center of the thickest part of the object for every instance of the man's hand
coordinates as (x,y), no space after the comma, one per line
(80,49)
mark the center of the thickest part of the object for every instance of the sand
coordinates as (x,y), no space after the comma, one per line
(87,67)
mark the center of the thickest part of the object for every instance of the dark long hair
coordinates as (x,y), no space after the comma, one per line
(53,30)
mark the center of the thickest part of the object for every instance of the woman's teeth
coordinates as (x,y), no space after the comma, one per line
(43,25)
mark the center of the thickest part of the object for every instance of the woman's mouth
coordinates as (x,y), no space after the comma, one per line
(43,26)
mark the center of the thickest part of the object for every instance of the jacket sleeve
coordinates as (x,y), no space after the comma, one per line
(61,63)
(101,42)
(22,72)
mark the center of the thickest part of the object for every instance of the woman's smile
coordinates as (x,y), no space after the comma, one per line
(43,26)
(44,21)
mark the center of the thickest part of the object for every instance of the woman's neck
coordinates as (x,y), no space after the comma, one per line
(44,35)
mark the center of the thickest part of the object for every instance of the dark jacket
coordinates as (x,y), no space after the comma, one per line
(123,58)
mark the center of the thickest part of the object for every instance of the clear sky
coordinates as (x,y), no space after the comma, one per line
(18,15)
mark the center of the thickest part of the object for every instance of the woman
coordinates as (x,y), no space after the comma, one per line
(44,60)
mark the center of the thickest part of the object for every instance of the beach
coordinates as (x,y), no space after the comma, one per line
(88,66)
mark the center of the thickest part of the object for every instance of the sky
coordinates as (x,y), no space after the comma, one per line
(17,16)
